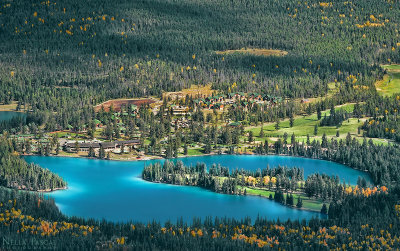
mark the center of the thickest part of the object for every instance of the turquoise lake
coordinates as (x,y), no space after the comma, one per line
(114,190)
(6,115)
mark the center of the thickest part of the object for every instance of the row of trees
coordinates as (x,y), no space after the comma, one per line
(335,118)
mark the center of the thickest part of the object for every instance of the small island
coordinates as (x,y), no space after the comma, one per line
(282,184)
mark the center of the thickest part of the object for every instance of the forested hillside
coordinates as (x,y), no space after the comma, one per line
(16,173)
(55,53)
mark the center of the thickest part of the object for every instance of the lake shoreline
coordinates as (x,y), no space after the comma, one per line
(11,108)
(198,155)
(264,197)
(122,175)
(52,190)
(49,190)
(291,207)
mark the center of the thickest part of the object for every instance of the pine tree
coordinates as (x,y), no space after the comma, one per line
(176,150)
(76,146)
(291,120)
(324,142)
(207,147)
(285,137)
(289,200)
(250,136)
(47,150)
(262,132)
(122,148)
(324,209)
(299,203)
(102,153)
(57,148)
(91,152)
(168,151)
(319,115)
(277,124)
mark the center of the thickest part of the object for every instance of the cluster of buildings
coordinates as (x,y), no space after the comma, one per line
(107,146)
(237,98)
(180,123)
(179,110)
(133,113)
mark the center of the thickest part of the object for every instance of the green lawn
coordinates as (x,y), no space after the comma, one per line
(72,135)
(310,204)
(195,151)
(391,82)
(304,125)
(260,192)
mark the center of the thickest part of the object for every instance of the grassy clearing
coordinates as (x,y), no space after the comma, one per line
(259,192)
(199,89)
(254,51)
(72,135)
(333,88)
(309,204)
(9,107)
(195,151)
(391,81)
(304,125)
(194,91)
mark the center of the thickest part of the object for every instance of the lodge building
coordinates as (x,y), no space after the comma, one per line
(107,146)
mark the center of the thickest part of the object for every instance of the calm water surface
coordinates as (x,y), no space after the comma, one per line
(114,190)
(7,115)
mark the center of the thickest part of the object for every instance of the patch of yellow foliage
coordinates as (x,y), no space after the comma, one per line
(254,51)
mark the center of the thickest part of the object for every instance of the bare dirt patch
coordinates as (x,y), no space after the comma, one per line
(117,103)
(254,51)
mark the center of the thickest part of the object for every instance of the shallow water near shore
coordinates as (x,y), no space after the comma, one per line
(114,190)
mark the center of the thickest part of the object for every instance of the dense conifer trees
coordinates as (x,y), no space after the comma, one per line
(16,173)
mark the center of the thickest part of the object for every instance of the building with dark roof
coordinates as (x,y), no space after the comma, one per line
(107,146)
